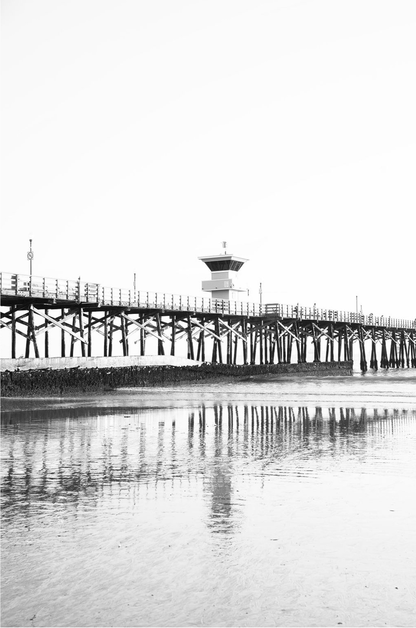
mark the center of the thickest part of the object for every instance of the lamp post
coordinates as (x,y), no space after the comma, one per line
(30,257)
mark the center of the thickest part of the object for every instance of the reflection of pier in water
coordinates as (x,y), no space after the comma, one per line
(81,456)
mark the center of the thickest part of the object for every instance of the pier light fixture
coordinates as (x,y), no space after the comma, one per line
(30,256)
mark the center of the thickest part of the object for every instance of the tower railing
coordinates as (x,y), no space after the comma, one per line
(32,287)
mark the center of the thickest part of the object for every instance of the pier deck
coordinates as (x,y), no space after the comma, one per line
(214,330)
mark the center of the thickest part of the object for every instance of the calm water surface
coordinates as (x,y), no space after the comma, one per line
(259,503)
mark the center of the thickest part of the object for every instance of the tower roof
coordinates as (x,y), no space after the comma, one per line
(223,262)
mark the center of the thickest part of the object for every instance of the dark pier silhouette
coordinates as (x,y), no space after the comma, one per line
(88,320)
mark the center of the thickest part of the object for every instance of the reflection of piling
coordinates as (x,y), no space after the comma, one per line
(191,426)
(89,460)
(202,419)
(230,418)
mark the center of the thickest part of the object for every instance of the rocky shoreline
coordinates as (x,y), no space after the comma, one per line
(51,382)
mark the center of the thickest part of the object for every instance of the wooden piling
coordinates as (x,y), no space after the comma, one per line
(142,336)
(81,329)
(393,355)
(235,350)
(13,314)
(229,347)
(46,335)
(105,334)
(373,359)
(62,335)
(245,349)
(160,347)
(363,360)
(110,336)
(260,341)
(89,337)
(190,341)
(124,338)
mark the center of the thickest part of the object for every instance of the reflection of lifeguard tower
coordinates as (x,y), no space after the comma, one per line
(224,268)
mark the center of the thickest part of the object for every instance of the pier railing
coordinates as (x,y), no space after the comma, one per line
(26,286)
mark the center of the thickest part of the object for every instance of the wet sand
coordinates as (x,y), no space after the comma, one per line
(213,504)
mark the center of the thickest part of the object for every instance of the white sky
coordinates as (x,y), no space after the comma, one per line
(138,135)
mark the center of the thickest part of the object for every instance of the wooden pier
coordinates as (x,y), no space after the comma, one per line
(59,318)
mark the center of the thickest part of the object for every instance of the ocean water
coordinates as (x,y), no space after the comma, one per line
(269,502)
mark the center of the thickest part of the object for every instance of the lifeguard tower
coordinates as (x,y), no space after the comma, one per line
(224,268)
